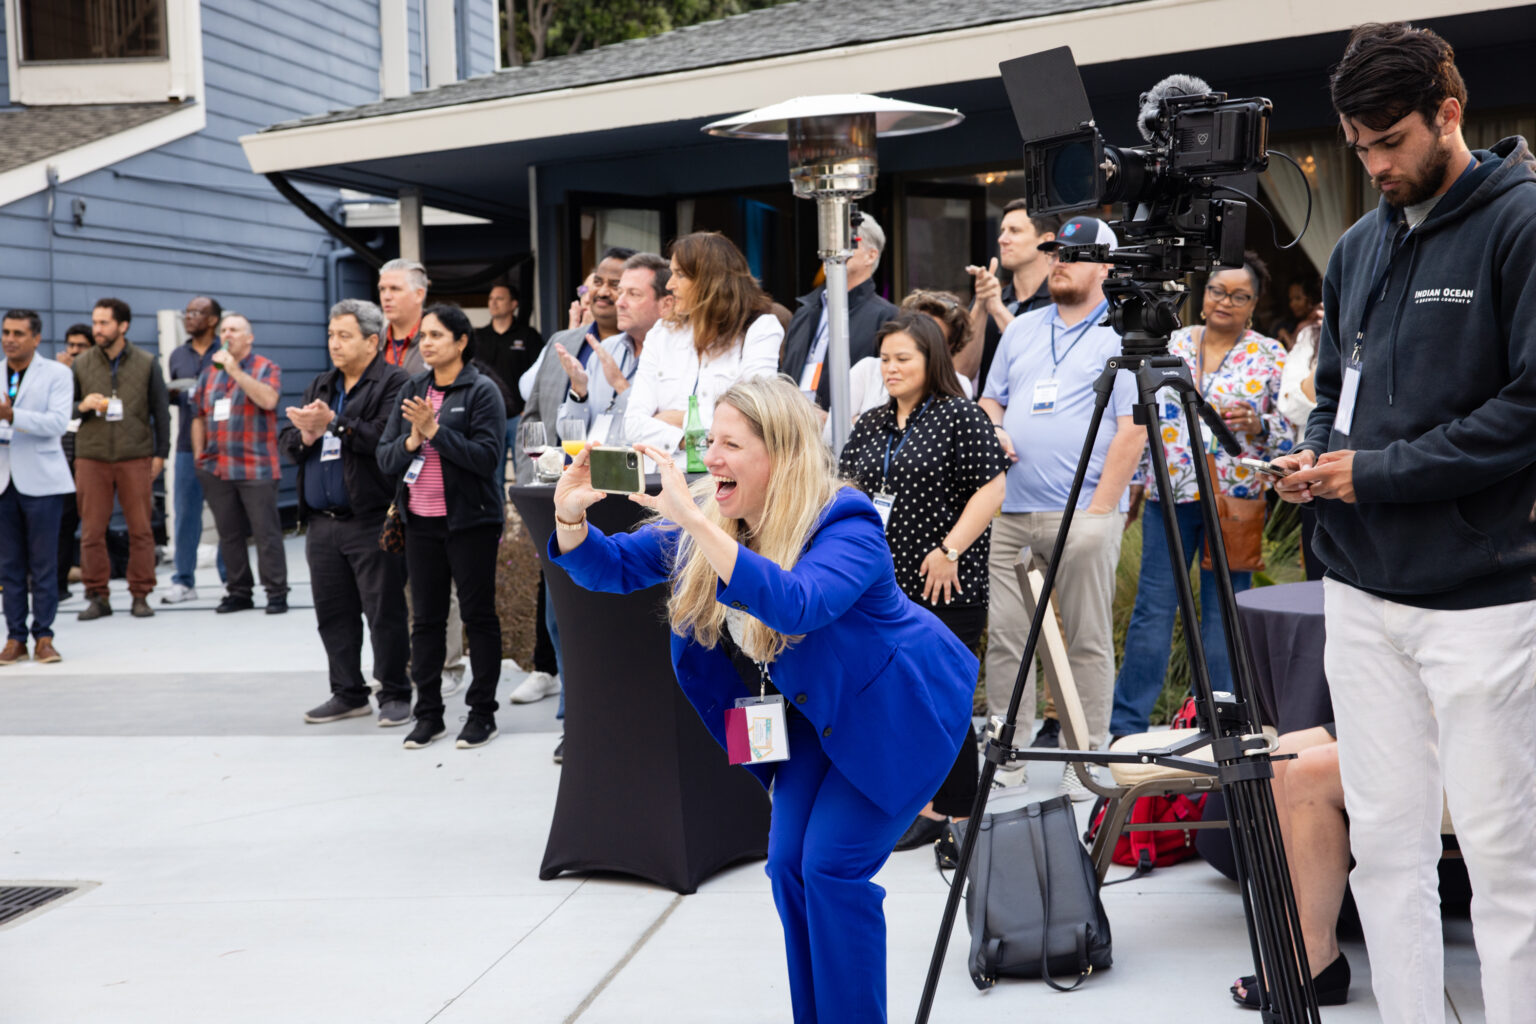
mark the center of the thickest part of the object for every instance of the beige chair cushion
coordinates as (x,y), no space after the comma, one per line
(1136,774)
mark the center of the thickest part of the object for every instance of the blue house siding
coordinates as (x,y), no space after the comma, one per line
(5,70)
(190,218)
(417,60)
(478,24)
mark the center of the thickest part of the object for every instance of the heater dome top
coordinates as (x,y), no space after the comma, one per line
(892,117)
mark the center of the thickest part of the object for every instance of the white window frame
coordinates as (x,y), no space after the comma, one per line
(175,77)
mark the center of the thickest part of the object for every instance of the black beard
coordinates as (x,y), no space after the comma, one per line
(1428,178)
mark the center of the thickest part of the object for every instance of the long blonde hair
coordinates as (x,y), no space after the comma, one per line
(801,483)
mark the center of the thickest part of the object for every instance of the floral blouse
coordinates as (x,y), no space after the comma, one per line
(1249,373)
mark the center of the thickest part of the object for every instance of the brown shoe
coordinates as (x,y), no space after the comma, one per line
(141,608)
(43,651)
(96,606)
(15,650)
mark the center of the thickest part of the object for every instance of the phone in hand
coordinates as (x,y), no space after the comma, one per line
(1268,468)
(616,470)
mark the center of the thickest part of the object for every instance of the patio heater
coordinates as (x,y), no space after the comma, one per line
(832,160)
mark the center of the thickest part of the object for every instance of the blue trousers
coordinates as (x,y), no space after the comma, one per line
(1149,638)
(188,504)
(825,843)
(30,547)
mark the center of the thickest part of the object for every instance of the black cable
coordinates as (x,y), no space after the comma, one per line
(1274,229)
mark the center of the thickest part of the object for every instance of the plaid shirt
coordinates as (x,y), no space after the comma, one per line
(244,446)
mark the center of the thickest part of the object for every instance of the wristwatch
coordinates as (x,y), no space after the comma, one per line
(953,554)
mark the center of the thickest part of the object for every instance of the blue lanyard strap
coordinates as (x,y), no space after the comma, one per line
(885,471)
(1088,321)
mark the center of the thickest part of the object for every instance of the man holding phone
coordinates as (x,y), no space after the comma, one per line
(1422,450)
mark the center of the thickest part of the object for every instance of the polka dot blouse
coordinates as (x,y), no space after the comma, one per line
(952,451)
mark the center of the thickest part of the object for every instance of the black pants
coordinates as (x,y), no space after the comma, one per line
(958,793)
(351,578)
(243,508)
(543,646)
(69,546)
(436,558)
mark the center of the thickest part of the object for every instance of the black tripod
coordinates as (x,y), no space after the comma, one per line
(1240,750)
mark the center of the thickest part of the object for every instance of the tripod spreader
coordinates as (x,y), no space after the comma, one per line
(1234,755)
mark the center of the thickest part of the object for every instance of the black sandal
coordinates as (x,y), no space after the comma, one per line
(1331,985)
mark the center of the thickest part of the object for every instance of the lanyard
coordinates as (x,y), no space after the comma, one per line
(115,362)
(1200,362)
(341,396)
(885,472)
(1088,322)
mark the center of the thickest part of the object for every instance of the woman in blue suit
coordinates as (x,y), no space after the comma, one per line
(782,580)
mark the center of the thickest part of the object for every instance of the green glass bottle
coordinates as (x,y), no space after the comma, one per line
(693,436)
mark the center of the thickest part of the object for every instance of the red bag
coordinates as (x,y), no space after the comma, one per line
(1145,850)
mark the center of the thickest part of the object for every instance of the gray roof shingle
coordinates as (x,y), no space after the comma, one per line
(36,133)
(801,26)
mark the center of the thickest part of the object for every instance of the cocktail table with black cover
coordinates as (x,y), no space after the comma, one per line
(644,789)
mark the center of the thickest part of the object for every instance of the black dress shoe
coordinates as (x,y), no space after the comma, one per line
(921,832)
(277,607)
(235,604)
(1049,734)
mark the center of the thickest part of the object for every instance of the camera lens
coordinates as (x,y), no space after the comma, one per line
(630,460)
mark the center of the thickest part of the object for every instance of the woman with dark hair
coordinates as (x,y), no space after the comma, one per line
(444,448)
(866,380)
(721,331)
(1238,371)
(931,461)
(782,591)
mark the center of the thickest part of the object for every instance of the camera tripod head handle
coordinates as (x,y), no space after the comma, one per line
(1219,428)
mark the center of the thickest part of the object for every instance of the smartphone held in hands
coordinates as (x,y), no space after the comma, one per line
(616,470)
(1268,468)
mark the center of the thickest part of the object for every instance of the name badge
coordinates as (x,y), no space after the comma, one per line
(330,447)
(600,426)
(114,409)
(1044,401)
(220,410)
(414,469)
(883,505)
(755,730)
(5,434)
(810,377)
(1344,419)
(73,426)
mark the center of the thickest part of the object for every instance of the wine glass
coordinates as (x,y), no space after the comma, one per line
(532,439)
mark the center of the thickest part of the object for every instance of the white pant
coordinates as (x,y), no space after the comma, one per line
(1425,700)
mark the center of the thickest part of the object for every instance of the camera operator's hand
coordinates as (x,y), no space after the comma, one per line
(574,494)
(1289,487)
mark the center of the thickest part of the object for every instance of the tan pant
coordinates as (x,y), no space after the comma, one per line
(95,484)
(1085,594)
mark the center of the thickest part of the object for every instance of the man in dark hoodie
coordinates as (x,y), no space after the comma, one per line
(1421,455)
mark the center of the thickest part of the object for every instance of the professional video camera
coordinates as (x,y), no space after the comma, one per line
(1195,138)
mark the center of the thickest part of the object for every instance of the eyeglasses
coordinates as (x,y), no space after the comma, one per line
(1220,294)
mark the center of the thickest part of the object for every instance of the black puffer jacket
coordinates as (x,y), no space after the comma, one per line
(471,440)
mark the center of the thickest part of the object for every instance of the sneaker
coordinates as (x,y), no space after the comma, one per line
(95,608)
(393,713)
(560,750)
(334,710)
(453,679)
(277,606)
(234,604)
(535,688)
(427,731)
(1049,734)
(477,732)
(1015,777)
(1072,787)
(15,650)
(141,608)
(179,594)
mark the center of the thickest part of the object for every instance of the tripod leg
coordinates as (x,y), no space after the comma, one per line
(1103,388)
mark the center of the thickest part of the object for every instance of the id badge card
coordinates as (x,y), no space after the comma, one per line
(883,505)
(73,426)
(330,447)
(220,410)
(114,409)
(1344,419)
(5,433)
(601,424)
(414,469)
(756,731)
(1044,402)
(810,377)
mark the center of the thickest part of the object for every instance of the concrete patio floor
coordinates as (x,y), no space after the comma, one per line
(251,868)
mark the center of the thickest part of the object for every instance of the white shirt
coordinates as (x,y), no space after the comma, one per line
(1294,404)
(670,371)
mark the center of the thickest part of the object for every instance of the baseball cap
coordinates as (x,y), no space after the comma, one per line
(1082,231)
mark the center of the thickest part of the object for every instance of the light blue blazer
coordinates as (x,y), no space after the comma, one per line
(885,683)
(34,460)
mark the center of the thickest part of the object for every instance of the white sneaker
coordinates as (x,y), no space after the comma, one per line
(1072,787)
(1016,777)
(453,679)
(179,593)
(536,687)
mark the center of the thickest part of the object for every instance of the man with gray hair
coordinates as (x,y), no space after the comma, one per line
(403,288)
(805,341)
(343,496)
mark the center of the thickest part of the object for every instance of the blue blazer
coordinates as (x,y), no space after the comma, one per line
(34,460)
(887,685)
